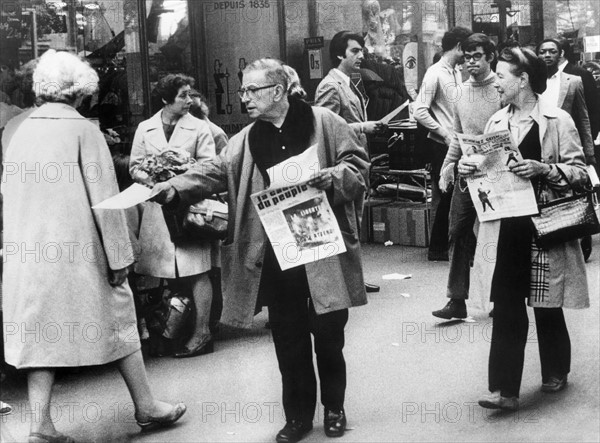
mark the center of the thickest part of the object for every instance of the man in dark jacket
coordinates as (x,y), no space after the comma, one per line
(312,298)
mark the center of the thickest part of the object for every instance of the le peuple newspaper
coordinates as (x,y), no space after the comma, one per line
(297,217)
(496,192)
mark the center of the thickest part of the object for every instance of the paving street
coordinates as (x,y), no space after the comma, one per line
(410,377)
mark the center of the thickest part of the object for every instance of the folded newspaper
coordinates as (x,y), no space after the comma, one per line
(495,190)
(297,217)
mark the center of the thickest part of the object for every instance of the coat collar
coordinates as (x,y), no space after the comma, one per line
(184,129)
(57,111)
(344,81)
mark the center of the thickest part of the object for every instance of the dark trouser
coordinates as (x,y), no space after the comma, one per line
(292,318)
(461,241)
(553,342)
(440,203)
(510,289)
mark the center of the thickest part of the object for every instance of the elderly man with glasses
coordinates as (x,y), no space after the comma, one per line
(313,298)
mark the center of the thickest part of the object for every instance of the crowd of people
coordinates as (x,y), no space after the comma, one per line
(510,87)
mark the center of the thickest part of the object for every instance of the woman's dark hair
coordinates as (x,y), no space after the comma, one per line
(476,40)
(339,44)
(168,86)
(525,60)
(455,36)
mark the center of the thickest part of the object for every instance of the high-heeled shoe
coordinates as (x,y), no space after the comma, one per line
(161,422)
(207,347)
(38,437)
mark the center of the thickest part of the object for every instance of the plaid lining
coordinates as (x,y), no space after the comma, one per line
(539,287)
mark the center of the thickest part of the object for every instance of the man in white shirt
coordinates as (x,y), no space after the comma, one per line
(434,110)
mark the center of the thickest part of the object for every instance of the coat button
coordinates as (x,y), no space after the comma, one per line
(258,264)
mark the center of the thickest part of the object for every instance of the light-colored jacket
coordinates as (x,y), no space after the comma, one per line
(58,251)
(560,146)
(158,255)
(335,282)
(335,94)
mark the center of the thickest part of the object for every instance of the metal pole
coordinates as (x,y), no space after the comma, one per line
(34,42)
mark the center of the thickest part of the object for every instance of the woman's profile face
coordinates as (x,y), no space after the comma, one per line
(507,84)
(183,101)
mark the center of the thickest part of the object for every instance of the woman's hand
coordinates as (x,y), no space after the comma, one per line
(467,167)
(322,180)
(530,168)
(118,277)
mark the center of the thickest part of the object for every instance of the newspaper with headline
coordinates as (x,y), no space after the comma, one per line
(495,190)
(297,217)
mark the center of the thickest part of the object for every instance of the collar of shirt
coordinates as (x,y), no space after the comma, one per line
(270,145)
(344,76)
(561,67)
(519,129)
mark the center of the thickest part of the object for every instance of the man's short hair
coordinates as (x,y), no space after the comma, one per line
(565,46)
(339,44)
(455,36)
(168,86)
(476,40)
(274,70)
(548,40)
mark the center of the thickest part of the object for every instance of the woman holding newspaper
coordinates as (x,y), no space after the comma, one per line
(516,269)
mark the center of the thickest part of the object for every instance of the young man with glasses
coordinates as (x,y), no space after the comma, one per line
(313,298)
(477,102)
(434,110)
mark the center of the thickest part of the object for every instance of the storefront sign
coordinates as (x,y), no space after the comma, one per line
(237,33)
(592,43)
(315,64)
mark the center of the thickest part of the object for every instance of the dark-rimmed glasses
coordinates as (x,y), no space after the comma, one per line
(477,56)
(252,90)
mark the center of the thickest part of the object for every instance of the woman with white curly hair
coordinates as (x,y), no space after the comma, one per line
(66,299)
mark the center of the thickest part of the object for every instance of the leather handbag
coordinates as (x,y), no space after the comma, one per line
(566,219)
(205,221)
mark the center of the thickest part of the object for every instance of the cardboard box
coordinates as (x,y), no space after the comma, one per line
(366,233)
(402,223)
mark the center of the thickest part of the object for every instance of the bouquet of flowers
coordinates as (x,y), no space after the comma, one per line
(164,166)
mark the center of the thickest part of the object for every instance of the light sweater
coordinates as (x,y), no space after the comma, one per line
(479,100)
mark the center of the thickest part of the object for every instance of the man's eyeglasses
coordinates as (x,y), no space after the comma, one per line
(477,56)
(252,90)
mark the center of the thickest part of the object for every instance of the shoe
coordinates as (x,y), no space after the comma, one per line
(293,431)
(554,384)
(491,314)
(455,308)
(208,347)
(162,422)
(5,408)
(334,423)
(371,288)
(496,401)
(437,256)
(38,437)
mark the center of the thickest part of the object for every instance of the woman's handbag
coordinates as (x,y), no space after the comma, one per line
(206,220)
(566,219)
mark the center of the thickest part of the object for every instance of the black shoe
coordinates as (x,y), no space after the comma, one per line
(371,288)
(293,431)
(208,347)
(334,423)
(437,256)
(586,247)
(455,308)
